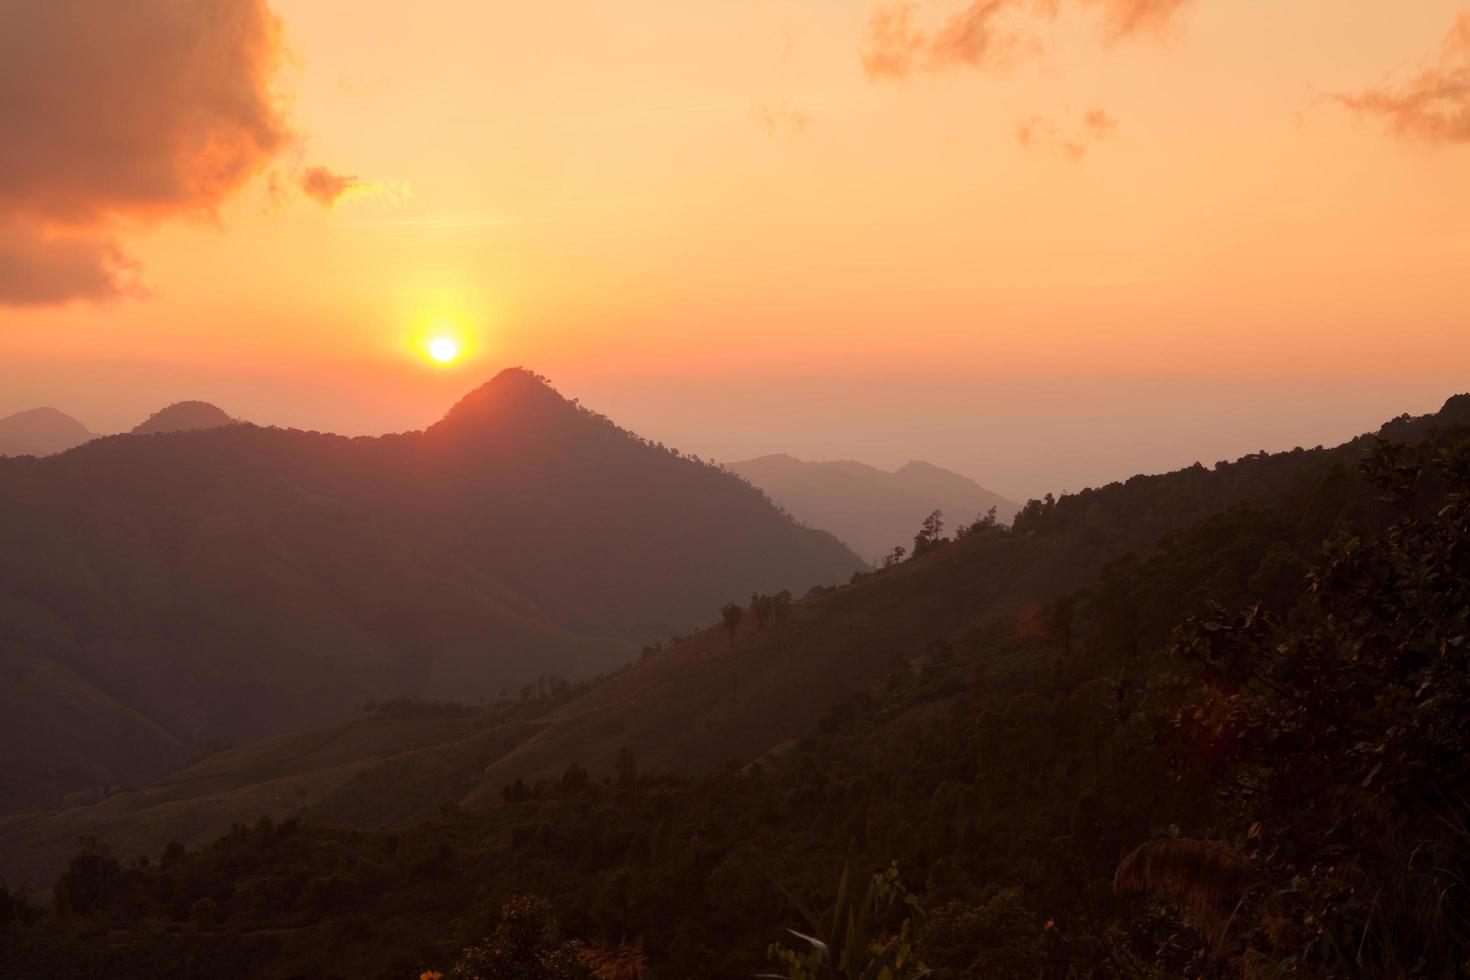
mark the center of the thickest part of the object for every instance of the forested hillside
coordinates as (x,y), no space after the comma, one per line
(1263,715)
(162,595)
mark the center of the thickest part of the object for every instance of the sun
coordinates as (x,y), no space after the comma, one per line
(443,349)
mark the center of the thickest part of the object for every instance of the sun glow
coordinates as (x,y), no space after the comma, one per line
(443,350)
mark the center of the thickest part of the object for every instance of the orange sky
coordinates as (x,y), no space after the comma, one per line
(1044,250)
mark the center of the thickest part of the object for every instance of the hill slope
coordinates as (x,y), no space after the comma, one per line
(871,509)
(40,432)
(233,583)
(184,417)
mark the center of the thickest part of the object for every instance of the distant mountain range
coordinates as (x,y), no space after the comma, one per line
(44,431)
(872,510)
(41,432)
(163,594)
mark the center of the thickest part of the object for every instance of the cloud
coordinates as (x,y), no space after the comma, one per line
(325,187)
(982,35)
(975,36)
(782,118)
(1433,107)
(987,33)
(1099,124)
(38,269)
(1037,132)
(1122,18)
(892,45)
(119,114)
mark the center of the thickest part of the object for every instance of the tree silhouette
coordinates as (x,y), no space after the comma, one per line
(732,613)
(929,537)
(761,607)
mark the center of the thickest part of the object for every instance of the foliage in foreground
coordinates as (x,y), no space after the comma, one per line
(868,938)
(1337,752)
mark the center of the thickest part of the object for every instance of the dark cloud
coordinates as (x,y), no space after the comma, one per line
(114,114)
(325,187)
(1040,133)
(38,269)
(1433,107)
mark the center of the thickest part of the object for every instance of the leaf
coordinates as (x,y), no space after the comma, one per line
(813,940)
(806,913)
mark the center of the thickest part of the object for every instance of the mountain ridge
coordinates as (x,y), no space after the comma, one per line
(871,509)
(228,583)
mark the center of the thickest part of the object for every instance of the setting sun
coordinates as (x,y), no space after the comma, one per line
(443,349)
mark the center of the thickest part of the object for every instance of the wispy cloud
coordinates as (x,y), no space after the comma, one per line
(325,187)
(1098,124)
(1433,107)
(987,34)
(1122,18)
(781,118)
(982,35)
(1040,133)
(328,188)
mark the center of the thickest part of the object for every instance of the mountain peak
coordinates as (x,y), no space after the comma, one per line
(515,394)
(184,416)
(39,432)
(921,466)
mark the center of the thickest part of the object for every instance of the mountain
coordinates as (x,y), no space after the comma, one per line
(184,417)
(40,432)
(872,510)
(165,594)
(995,716)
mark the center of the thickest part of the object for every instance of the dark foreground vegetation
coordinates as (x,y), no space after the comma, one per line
(1243,752)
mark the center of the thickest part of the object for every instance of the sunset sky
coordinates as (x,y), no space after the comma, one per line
(1047,243)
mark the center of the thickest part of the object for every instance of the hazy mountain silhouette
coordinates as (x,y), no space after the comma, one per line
(714,697)
(161,594)
(40,432)
(183,417)
(871,509)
